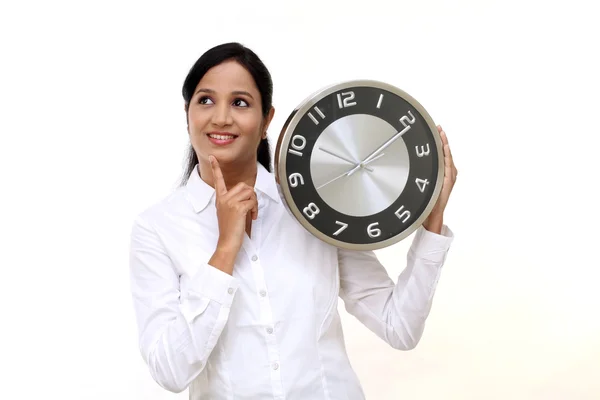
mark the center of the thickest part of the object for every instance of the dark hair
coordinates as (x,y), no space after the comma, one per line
(249,60)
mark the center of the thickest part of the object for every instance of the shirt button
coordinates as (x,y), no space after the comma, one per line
(269,330)
(263,293)
(254,258)
(275,366)
(230,290)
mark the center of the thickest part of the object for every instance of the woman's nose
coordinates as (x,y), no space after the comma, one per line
(222,115)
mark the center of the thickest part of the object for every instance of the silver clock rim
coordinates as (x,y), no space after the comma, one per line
(281,158)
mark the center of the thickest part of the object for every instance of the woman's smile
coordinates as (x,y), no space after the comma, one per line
(221,138)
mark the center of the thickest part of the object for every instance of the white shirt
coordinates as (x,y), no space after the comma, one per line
(272,330)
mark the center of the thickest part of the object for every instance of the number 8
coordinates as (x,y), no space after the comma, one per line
(311,210)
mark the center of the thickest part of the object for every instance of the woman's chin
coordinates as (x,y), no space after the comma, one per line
(227,157)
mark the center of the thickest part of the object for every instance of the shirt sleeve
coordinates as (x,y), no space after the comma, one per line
(395,312)
(177,328)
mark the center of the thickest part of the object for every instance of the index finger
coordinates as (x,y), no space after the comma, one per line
(219,182)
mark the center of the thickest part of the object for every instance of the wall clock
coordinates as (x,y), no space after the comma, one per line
(359,164)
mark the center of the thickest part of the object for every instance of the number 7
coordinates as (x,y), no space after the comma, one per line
(344,226)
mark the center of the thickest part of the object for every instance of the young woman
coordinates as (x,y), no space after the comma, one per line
(233,298)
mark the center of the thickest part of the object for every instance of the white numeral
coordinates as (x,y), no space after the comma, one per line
(379,101)
(294,178)
(405,214)
(344,226)
(320,115)
(298,147)
(372,231)
(346,101)
(423,152)
(311,210)
(421,183)
(406,121)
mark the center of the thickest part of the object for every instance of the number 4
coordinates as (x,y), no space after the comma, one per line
(421,183)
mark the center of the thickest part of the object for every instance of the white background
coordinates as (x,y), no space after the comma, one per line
(93,131)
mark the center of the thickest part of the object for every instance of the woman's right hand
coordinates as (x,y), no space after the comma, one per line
(234,207)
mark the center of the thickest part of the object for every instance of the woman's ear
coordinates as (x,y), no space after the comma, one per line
(267,122)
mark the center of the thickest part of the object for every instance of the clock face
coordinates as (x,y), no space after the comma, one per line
(360,164)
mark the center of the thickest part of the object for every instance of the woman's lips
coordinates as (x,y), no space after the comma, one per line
(221,139)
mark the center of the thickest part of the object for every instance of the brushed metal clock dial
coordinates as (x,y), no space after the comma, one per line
(359,164)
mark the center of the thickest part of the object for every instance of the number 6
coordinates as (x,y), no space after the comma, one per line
(372,231)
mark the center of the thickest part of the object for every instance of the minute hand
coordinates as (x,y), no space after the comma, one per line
(374,154)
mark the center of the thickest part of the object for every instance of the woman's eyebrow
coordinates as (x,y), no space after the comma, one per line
(235,92)
(238,92)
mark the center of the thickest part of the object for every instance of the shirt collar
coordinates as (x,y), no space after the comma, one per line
(201,193)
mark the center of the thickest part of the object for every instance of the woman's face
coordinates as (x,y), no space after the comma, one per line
(225,116)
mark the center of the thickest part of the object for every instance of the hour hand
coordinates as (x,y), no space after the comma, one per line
(343,158)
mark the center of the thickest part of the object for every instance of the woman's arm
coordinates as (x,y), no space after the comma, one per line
(395,312)
(177,330)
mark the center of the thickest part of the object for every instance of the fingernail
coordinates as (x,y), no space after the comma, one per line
(210,158)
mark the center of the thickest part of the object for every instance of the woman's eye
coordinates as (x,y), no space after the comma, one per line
(240,103)
(204,100)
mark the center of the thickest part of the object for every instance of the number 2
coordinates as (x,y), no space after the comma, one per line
(408,121)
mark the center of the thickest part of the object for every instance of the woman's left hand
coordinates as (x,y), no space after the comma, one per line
(435,220)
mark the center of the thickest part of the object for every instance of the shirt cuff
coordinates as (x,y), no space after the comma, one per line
(431,245)
(214,284)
